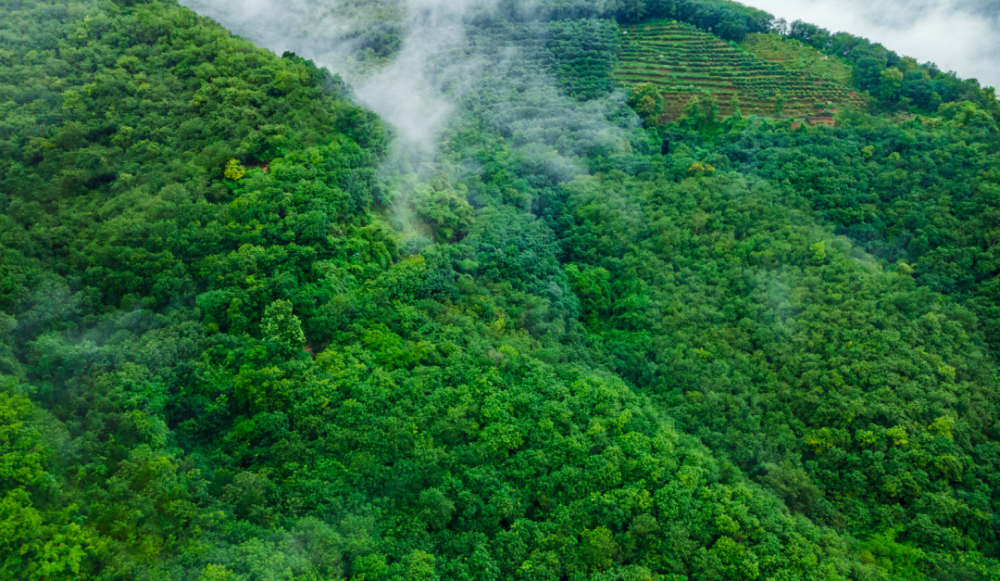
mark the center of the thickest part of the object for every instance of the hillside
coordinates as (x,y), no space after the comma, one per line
(684,63)
(252,331)
(796,56)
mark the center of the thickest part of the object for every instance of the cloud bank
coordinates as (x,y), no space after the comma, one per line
(957,35)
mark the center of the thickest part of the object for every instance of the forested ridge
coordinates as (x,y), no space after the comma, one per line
(246,335)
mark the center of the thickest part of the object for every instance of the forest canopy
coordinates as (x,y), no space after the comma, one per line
(245,335)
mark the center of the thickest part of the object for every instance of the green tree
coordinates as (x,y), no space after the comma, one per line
(280,325)
(645,98)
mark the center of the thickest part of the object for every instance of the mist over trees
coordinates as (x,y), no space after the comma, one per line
(463,305)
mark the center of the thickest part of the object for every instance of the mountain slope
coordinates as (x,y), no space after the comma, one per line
(166,290)
(685,63)
(247,331)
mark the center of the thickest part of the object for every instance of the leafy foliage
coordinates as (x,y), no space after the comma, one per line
(897,82)
(710,349)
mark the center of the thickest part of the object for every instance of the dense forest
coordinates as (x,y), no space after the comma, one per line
(249,332)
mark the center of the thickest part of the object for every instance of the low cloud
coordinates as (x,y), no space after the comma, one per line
(957,35)
(410,93)
(405,92)
(420,87)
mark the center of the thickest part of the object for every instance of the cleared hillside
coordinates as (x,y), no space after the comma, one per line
(796,56)
(685,62)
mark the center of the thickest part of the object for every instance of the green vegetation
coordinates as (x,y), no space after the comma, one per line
(687,64)
(896,83)
(358,36)
(240,341)
(794,55)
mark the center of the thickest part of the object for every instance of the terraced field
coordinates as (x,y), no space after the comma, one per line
(795,56)
(685,62)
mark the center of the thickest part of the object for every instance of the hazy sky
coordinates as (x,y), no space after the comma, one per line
(958,35)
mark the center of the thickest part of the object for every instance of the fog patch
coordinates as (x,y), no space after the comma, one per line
(410,93)
(406,90)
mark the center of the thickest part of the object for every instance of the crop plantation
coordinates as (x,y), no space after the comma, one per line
(686,63)
(793,55)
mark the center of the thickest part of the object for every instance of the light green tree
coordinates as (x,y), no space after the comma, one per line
(647,102)
(281,326)
(234,170)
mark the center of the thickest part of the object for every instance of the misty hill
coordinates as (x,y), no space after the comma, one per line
(449,290)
